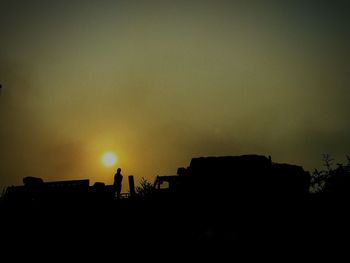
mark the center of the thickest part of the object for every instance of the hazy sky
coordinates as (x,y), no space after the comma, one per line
(160,82)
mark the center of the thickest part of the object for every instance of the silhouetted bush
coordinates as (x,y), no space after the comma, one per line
(330,178)
(319,177)
(145,189)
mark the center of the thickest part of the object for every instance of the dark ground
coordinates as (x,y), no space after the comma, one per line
(313,225)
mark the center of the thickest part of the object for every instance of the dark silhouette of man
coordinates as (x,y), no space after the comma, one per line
(118,178)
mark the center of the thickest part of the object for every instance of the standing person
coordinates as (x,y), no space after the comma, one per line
(118,178)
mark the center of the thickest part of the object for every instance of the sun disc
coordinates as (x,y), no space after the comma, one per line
(109,159)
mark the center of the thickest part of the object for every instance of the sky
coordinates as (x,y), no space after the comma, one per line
(161,82)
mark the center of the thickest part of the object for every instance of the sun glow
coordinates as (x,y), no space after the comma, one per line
(109,159)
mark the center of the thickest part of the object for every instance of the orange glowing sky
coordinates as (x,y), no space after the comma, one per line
(160,82)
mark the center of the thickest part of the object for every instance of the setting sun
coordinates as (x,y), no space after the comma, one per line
(109,159)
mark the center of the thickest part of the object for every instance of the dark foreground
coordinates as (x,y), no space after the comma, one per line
(313,225)
(229,207)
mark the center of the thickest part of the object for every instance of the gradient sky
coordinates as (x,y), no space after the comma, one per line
(160,82)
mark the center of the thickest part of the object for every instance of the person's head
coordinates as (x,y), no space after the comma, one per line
(119,170)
